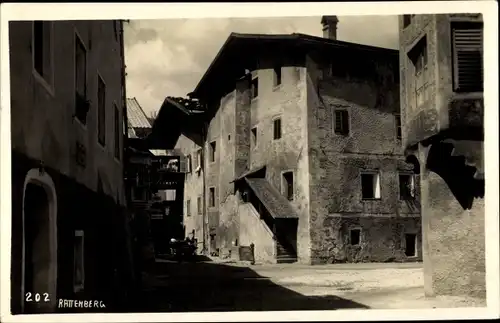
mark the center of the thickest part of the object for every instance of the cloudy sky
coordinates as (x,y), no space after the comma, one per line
(168,57)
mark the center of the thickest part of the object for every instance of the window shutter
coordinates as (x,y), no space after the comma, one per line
(183,164)
(468,58)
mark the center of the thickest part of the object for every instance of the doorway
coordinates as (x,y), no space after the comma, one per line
(411,245)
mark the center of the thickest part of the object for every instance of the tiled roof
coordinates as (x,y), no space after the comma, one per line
(136,115)
(277,205)
(131,131)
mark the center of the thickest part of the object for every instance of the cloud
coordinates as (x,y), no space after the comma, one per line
(168,57)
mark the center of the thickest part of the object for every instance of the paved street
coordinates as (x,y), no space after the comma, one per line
(216,286)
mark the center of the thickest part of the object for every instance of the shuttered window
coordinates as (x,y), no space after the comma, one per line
(467,44)
(341,126)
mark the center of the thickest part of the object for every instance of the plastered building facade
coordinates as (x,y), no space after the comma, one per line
(441,63)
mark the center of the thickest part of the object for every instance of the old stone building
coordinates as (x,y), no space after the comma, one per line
(297,151)
(441,62)
(69,219)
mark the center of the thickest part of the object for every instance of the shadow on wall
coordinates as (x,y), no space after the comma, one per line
(458,176)
(210,287)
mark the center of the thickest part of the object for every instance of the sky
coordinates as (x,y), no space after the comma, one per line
(168,57)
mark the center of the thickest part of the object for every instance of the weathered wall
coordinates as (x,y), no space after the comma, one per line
(288,102)
(454,240)
(43,122)
(193,188)
(336,161)
(254,230)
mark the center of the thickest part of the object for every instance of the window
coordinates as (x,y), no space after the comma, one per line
(228,137)
(189,164)
(397,117)
(288,185)
(467,47)
(354,237)
(411,245)
(101,110)
(407,20)
(255,87)
(277,129)
(78,262)
(419,83)
(42,38)
(341,122)
(213,147)
(277,76)
(81,81)
(254,136)
(370,185)
(406,187)
(117,132)
(211,197)
(188,207)
(199,205)
(170,195)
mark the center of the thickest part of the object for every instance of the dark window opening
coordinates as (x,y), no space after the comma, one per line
(398,126)
(341,122)
(277,76)
(411,245)
(288,185)
(254,136)
(406,187)
(277,129)
(199,205)
(189,164)
(213,148)
(370,186)
(212,197)
(101,108)
(228,137)
(407,20)
(81,81)
(188,207)
(467,47)
(117,133)
(354,237)
(255,87)
(41,48)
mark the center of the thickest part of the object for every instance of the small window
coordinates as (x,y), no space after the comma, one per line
(277,76)
(228,137)
(42,38)
(467,47)
(211,197)
(411,245)
(341,125)
(101,109)
(277,129)
(370,185)
(255,87)
(188,207)
(189,164)
(170,195)
(254,136)
(406,187)
(199,205)
(288,185)
(117,132)
(80,81)
(198,158)
(79,262)
(397,118)
(419,83)
(354,237)
(213,147)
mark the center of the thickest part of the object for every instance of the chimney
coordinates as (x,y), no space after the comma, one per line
(330,27)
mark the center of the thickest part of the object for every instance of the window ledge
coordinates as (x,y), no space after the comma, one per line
(277,87)
(371,199)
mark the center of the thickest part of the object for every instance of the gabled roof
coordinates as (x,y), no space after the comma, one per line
(275,203)
(239,51)
(135,114)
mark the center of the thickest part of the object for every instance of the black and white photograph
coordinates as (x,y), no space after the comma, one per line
(266,159)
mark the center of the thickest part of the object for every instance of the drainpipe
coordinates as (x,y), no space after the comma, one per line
(205,215)
(125,161)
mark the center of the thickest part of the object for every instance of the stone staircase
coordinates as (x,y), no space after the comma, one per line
(285,254)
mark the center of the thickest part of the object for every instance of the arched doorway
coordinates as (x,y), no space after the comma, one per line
(39,281)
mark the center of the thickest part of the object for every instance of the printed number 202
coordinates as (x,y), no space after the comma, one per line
(37,297)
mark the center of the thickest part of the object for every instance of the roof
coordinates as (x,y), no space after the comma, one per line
(240,50)
(277,205)
(131,131)
(250,172)
(135,115)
